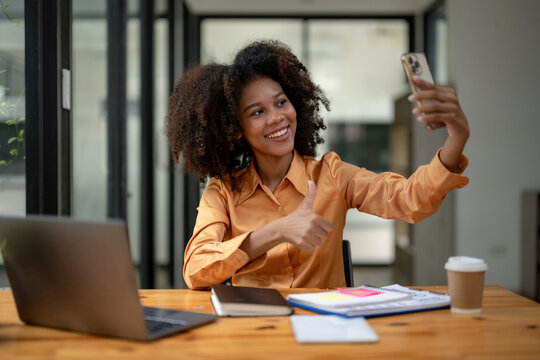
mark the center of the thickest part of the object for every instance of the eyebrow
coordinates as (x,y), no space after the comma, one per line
(258,103)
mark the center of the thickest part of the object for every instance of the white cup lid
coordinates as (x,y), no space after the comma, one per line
(465,263)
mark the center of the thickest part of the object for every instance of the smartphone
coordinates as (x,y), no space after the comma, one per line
(415,64)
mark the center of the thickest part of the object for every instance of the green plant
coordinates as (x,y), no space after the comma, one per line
(14,123)
(6,12)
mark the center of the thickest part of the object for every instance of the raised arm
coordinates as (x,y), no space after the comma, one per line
(446,110)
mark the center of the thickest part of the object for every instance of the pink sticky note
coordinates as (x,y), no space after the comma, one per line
(359,292)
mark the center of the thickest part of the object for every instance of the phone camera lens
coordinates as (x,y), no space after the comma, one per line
(416,68)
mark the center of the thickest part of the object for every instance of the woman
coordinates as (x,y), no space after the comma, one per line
(272,215)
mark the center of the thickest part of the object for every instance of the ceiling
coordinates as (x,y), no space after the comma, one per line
(307,7)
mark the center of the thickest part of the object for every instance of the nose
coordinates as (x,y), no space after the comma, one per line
(275,117)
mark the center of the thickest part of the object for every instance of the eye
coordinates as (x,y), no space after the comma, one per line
(256,112)
(282,102)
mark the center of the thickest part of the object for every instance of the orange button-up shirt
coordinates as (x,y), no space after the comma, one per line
(227,217)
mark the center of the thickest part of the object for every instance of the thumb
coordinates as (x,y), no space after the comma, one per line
(310,197)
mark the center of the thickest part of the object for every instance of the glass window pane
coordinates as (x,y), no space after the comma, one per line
(222,38)
(89,109)
(357,63)
(12,110)
(12,114)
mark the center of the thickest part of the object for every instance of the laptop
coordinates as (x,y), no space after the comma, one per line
(79,276)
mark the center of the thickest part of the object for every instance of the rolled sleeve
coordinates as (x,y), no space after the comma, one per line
(390,195)
(443,179)
(209,261)
(211,255)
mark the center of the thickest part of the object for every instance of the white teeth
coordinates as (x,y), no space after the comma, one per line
(277,134)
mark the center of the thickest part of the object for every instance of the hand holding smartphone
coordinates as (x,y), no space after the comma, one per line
(415,64)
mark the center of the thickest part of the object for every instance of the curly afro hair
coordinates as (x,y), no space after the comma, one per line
(199,127)
(203,123)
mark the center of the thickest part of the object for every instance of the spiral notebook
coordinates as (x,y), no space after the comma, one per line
(346,298)
(380,303)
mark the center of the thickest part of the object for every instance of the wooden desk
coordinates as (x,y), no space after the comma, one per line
(507,328)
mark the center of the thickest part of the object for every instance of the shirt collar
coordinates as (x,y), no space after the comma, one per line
(296,175)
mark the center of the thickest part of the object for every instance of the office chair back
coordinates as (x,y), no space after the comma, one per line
(347,263)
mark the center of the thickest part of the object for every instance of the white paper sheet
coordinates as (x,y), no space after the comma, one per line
(331,328)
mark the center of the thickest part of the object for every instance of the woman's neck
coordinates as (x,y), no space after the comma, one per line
(273,170)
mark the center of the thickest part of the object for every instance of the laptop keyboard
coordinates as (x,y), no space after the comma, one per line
(162,320)
(155,326)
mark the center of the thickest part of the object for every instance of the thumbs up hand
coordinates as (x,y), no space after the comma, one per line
(303,227)
(308,201)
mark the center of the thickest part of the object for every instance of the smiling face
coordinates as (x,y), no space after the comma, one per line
(268,120)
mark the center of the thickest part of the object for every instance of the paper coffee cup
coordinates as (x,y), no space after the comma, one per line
(465,283)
